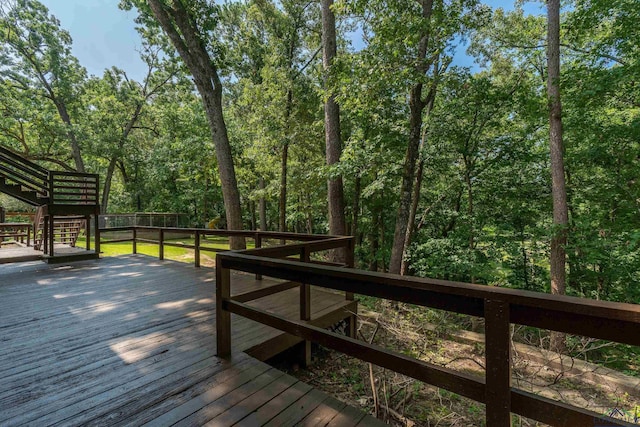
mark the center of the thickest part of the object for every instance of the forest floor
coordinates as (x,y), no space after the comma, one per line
(402,401)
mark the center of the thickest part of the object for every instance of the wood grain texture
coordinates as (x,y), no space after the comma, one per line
(131,340)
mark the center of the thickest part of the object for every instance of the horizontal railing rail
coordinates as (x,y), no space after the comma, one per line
(310,242)
(305,247)
(23,172)
(74,188)
(35,168)
(499,307)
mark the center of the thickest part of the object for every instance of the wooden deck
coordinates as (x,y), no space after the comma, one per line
(131,340)
(21,253)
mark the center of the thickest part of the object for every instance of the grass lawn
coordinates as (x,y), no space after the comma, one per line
(170,252)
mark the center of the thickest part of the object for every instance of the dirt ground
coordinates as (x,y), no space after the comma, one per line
(402,401)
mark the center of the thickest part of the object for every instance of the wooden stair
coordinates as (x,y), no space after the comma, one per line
(22,179)
(65,200)
(66,230)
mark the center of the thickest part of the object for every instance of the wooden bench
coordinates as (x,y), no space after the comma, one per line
(15,230)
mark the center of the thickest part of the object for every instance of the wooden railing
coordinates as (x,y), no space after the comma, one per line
(74,188)
(312,242)
(16,230)
(303,248)
(499,307)
(24,173)
(50,187)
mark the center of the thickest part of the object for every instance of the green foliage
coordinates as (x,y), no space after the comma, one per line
(41,83)
(484,208)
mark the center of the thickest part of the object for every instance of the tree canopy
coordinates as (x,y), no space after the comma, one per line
(445,171)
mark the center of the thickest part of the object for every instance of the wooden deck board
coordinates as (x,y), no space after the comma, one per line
(131,340)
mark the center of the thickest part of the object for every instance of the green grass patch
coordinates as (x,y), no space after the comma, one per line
(170,252)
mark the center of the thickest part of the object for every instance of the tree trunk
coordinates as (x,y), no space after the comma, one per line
(282,225)
(412,216)
(310,221)
(230,192)
(356,207)
(75,147)
(107,185)
(66,119)
(468,183)
(333,141)
(181,29)
(375,239)
(558,187)
(116,156)
(408,172)
(411,226)
(262,207)
(416,107)
(252,209)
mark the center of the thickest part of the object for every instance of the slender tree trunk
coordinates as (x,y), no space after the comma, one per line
(416,107)
(412,216)
(456,208)
(411,223)
(408,173)
(107,185)
(282,225)
(230,192)
(558,187)
(467,181)
(375,239)
(181,29)
(252,209)
(75,147)
(333,141)
(66,119)
(357,191)
(263,207)
(116,156)
(525,258)
(309,221)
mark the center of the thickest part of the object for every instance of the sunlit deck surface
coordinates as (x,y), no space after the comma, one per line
(131,340)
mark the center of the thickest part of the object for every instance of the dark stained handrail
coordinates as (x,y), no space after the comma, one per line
(57,187)
(500,307)
(25,163)
(23,172)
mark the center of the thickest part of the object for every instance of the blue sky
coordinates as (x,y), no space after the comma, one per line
(104,36)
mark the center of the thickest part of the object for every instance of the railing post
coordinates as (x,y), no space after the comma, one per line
(135,240)
(161,244)
(96,232)
(52,235)
(258,244)
(305,308)
(305,289)
(223,317)
(197,249)
(498,363)
(350,261)
(87,231)
(50,176)
(44,243)
(352,321)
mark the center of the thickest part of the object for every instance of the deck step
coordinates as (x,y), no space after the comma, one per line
(81,256)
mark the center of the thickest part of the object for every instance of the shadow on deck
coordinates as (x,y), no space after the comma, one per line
(131,340)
